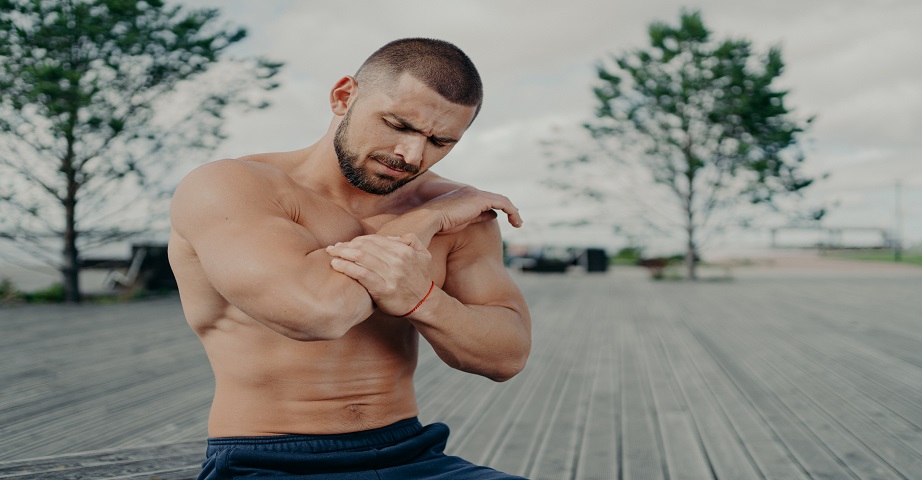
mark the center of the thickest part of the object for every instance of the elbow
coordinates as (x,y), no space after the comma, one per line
(508,369)
(312,331)
(512,363)
(310,324)
(310,334)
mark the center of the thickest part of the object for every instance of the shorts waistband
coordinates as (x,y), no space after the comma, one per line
(390,434)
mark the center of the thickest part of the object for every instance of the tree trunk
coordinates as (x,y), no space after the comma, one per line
(71,264)
(691,256)
(71,268)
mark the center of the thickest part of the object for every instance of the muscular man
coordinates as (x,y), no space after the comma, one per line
(309,276)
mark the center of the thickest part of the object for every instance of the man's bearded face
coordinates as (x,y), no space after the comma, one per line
(359,176)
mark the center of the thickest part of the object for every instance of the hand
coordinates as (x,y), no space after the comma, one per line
(394,270)
(466,205)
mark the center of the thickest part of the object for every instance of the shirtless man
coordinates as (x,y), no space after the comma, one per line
(309,276)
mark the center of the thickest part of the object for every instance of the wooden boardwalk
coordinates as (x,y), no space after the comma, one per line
(763,377)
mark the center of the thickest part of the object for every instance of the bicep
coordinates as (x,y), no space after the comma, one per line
(246,257)
(252,252)
(238,231)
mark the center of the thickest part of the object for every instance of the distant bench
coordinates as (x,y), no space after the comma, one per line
(148,268)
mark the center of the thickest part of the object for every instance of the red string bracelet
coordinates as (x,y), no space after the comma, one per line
(431,287)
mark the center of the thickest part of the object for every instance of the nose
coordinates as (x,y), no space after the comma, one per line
(411,148)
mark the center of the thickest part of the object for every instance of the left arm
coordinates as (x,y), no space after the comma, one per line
(478,322)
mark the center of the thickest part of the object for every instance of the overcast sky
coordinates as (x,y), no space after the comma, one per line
(854,64)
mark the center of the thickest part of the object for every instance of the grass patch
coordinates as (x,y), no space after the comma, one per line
(52,294)
(911,258)
(10,294)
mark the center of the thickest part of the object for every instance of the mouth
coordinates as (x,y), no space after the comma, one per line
(391,170)
(393,167)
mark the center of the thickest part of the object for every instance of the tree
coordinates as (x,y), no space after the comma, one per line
(705,119)
(99,101)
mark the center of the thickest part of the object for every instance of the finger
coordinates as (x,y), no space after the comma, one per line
(388,249)
(485,216)
(379,253)
(367,257)
(512,213)
(500,202)
(515,219)
(367,278)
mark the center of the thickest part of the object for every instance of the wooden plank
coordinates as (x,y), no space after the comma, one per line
(726,456)
(516,453)
(682,445)
(599,452)
(108,463)
(831,433)
(812,455)
(772,458)
(642,451)
(776,378)
(477,439)
(887,437)
(147,468)
(559,450)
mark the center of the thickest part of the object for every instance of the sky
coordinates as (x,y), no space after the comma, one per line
(853,64)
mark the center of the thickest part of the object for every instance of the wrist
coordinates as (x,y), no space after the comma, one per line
(425,312)
(421,302)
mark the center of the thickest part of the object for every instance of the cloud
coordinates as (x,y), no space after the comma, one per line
(852,63)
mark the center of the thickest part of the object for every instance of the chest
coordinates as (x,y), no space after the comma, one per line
(330,224)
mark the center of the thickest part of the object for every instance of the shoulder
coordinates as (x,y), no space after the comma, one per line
(234,185)
(224,175)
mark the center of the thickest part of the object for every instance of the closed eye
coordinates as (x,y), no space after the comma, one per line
(402,126)
(399,128)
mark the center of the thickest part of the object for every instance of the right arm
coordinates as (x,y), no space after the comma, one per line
(234,216)
(277,271)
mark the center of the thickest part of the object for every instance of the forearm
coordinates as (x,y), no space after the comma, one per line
(304,300)
(338,301)
(489,340)
(421,222)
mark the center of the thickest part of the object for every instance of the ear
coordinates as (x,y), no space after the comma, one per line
(342,94)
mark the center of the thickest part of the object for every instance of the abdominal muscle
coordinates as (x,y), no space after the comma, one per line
(268,384)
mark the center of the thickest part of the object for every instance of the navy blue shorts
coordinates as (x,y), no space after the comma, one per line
(405,450)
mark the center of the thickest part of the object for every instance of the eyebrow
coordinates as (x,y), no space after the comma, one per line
(409,126)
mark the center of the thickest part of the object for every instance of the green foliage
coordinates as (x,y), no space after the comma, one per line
(706,118)
(627,256)
(99,101)
(8,291)
(52,294)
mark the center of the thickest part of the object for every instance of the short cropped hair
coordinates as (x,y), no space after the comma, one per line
(440,65)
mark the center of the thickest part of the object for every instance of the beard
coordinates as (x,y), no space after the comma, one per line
(361,178)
